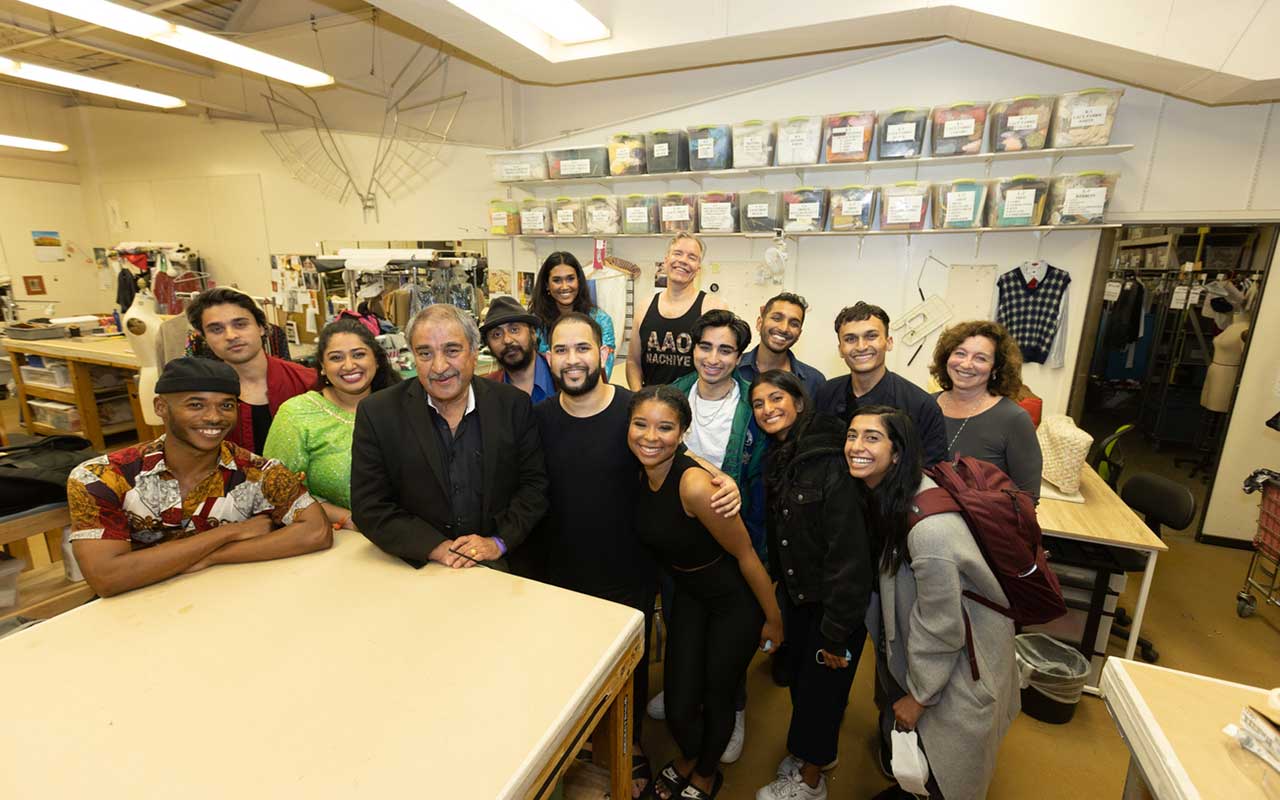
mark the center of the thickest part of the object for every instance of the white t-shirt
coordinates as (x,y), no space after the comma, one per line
(708,435)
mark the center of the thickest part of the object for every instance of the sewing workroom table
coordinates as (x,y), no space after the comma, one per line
(1103,518)
(79,353)
(342,674)
(1172,722)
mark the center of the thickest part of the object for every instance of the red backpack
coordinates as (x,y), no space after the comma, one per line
(1002,519)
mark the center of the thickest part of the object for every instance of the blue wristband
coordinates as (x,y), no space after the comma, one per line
(502,546)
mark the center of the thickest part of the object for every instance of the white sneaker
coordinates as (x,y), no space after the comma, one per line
(793,787)
(657,706)
(733,750)
(792,764)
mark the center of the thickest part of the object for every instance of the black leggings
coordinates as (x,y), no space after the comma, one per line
(711,638)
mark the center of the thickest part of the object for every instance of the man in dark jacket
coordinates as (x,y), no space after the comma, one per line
(447,468)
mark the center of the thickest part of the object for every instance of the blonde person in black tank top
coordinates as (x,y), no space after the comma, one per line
(660,349)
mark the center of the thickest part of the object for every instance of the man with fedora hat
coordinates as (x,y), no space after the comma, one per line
(509,330)
(189,499)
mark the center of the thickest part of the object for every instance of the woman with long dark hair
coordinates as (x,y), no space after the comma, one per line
(819,552)
(561,287)
(724,606)
(947,664)
(311,433)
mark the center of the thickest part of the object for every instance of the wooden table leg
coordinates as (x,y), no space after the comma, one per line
(612,740)
(87,403)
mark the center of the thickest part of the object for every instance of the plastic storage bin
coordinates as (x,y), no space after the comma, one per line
(504,217)
(1021,123)
(717,212)
(902,132)
(526,166)
(760,211)
(570,219)
(847,137)
(667,151)
(752,144)
(10,569)
(63,416)
(1017,201)
(114,411)
(578,162)
(804,209)
(639,214)
(852,208)
(904,206)
(958,128)
(676,212)
(1084,118)
(536,215)
(799,141)
(601,212)
(710,147)
(54,374)
(959,204)
(627,154)
(1080,199)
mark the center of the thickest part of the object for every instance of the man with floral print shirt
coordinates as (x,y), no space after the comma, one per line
(189,499)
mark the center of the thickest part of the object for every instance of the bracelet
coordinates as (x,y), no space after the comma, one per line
(502,546)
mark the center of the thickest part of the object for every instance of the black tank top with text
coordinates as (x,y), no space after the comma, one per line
(666,348)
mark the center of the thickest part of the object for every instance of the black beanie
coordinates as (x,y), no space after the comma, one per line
(191,374)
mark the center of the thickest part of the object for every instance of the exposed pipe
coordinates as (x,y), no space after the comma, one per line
(127,54)
(156,8)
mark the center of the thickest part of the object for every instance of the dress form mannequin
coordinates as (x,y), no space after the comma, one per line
(142,329)
(1220,380)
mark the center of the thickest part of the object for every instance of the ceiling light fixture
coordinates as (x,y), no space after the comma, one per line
(529,22)
(154,29)
(31,144)
(83,83)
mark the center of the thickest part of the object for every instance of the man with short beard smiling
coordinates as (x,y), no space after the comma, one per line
(509,331)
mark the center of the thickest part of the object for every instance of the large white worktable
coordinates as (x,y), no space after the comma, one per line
(343,674)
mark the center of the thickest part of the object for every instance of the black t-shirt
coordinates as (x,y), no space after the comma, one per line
(261,417)
(589,534)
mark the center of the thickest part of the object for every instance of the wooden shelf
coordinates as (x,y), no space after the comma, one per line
(45,592)
(863,166)
(926,232)
(107,430)
(49,392)
(1148,241)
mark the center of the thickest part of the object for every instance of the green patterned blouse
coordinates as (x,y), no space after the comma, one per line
(312,435)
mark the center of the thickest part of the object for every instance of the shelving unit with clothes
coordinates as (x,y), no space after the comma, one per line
(167,268)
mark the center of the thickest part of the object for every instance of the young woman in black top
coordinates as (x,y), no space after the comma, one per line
(721,589)
(820,553)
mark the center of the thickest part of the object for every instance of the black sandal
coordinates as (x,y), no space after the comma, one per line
(691,792)
(669,784)
(641,770)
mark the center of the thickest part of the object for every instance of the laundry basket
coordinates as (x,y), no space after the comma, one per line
(1053,676)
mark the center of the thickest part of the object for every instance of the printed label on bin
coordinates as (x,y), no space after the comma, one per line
(498,218)
(901,132)
(799,140)
(846,140)
(1019,203)
(661,149)
(515,172)
(757,210)
(905,209)
(1023,122)
(960,207)
(564,216)
(707,148)
(534,220)
(1179,299)
(575,166)
(602,218)
(716,216)
(1196,293)
(803,210)
(1112,291)
(622,154)
(638,214)
(854,206)
(958,127)
(1084,202)
(675,213)
(1088,116)
(752,145)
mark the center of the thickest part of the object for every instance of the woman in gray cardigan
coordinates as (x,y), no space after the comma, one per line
(924,570)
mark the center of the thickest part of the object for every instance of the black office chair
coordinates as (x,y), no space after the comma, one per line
(1159,501)
(1105,457)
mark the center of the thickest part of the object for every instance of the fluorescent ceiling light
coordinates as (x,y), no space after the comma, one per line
(529,22)
(83,83)
(31,144)
(154,29)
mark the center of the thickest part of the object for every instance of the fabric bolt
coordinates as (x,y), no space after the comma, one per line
(1003,435)
(666,347)
(285,379)
(836,398)
(811,377)
(312,436)
(1033,316)
(130,495)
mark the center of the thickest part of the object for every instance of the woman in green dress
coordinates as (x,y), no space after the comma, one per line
(311,433)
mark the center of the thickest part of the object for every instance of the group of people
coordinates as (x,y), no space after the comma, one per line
(767,506)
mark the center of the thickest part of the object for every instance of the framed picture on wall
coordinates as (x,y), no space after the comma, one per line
(34,284)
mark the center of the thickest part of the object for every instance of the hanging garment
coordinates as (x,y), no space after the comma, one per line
(1124,323)
(166,292)
(139,260)
(1031,303)
(126,288)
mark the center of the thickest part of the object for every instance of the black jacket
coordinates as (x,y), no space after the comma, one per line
(818,544)
(399,487)
(835,397)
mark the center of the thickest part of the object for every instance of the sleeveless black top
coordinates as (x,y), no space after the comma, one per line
(676,539)
(666,348)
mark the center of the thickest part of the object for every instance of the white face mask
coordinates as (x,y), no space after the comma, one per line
(910,767)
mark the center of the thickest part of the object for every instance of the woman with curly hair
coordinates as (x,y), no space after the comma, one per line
(561,286)
(979,367)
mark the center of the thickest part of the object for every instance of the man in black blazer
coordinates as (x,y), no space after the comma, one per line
(447,468)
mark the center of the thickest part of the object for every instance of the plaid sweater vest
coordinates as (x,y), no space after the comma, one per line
(1031,315)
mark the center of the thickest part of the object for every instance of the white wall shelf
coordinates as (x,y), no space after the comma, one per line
(928,232)
(863,166)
